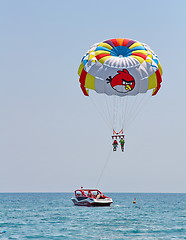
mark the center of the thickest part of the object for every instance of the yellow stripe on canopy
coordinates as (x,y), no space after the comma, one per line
(141,60)
(101,52)
(141,51)
(90,81)
(152,83)
(135,45)
(103,59)
(106,45)
(80,69)
(160,68)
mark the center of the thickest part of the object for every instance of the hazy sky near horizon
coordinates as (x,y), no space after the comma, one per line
(51,138)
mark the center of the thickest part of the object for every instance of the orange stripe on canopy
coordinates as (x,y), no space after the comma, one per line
(120,41)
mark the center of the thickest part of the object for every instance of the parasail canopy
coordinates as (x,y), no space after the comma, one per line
(120,67)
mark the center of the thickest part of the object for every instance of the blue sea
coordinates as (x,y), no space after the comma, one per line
(53,216)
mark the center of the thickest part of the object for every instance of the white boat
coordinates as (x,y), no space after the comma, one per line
(90,197)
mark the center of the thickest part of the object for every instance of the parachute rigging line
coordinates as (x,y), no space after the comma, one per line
(101,113)
(138,109)
(104,166)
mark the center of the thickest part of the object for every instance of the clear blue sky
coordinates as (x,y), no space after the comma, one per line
(51,137)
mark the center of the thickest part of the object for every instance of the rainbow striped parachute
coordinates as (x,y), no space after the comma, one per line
(120,67)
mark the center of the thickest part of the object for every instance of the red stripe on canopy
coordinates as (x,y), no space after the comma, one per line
(82,82)
(159,80)
(102,55)
(125,41)
(140,55)
(115,42)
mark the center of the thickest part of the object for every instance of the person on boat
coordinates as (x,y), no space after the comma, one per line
(98,195)
(90,194)
(122,142)
(115,145)
(101,196)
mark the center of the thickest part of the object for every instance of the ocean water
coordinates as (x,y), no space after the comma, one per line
(53,216)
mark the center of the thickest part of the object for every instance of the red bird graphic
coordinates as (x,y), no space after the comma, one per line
(122,82)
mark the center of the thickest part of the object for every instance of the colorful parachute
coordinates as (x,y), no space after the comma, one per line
(120,67)
(121,71)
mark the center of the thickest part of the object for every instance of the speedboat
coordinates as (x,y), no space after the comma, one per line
(90,197)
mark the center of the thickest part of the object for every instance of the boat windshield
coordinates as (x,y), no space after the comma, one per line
(89,193)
